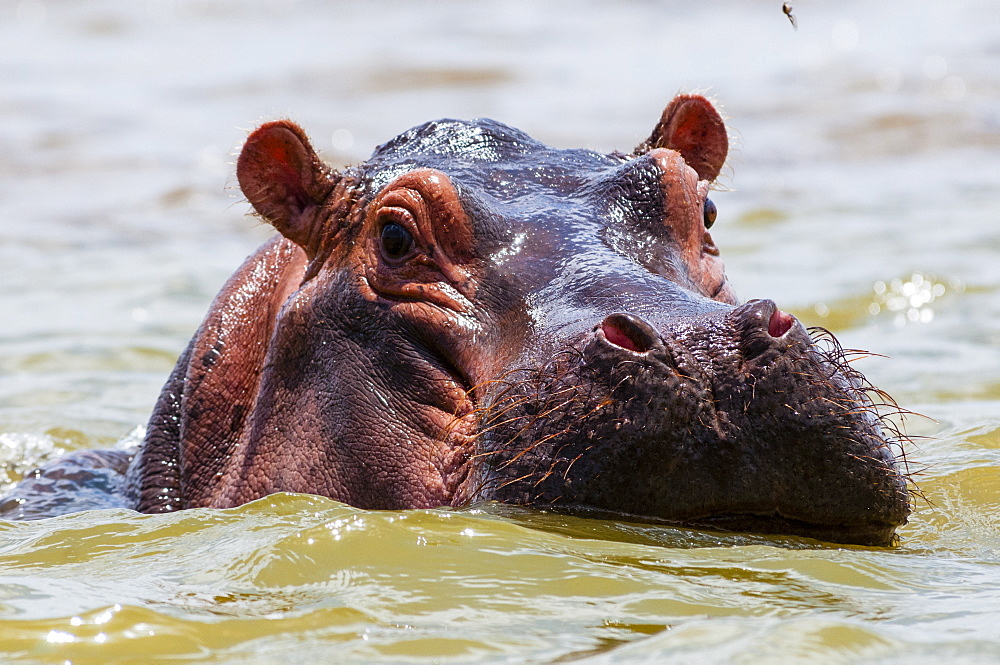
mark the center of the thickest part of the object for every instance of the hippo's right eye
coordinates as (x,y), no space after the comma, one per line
(710,213)
(396,241)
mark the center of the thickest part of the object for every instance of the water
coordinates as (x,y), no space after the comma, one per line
(865,197)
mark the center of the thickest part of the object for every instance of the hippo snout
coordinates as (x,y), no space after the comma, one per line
(736,420)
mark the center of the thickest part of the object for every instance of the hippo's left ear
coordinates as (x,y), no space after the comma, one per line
(287,183)
(691,126)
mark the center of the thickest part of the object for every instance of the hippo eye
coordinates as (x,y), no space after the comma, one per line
(396,241)
(711,212)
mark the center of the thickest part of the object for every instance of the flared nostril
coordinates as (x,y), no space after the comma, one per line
(760,324)
(629,332)
(779,323)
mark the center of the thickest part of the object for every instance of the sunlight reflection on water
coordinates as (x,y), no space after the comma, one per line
(863,196)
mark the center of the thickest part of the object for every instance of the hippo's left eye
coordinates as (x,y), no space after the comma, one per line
(711,212)
(396,241)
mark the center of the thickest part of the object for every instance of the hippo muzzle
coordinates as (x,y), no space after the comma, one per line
(472,315)
(738,422)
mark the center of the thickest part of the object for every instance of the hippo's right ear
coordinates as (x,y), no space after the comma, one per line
(691,126)
(286,182)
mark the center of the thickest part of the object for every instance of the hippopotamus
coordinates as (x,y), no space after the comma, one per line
(473,316)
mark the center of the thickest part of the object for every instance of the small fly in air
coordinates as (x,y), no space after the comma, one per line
(787,8)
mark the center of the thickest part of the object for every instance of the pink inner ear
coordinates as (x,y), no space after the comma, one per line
(278,172)
(284,164)
(277,151)
(691,126)
(286,182)
(687,130)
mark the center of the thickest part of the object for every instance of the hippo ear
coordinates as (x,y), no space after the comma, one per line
(691,126)
(286,181)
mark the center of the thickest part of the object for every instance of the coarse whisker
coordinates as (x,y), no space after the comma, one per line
(513,480)
(572,462)
(511,404)
(524,429)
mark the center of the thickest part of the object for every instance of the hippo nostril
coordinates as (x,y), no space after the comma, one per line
(629,332)
(779,323)
(759,324)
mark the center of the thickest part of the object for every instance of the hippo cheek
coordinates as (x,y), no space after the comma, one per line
(712,273)
(673,224)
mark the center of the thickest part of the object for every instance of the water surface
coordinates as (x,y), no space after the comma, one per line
(864,196)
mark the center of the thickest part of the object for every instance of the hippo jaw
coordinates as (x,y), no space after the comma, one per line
(739,422)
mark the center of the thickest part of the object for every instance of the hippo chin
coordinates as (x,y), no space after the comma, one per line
(473,316)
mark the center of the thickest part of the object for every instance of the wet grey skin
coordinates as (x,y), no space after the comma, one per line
(598,362)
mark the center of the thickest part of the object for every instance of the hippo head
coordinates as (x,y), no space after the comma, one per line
(472,315)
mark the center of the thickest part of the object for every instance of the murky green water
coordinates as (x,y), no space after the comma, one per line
(866,198)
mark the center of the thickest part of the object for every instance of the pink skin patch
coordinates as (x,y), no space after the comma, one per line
(780,323)
(619,337)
